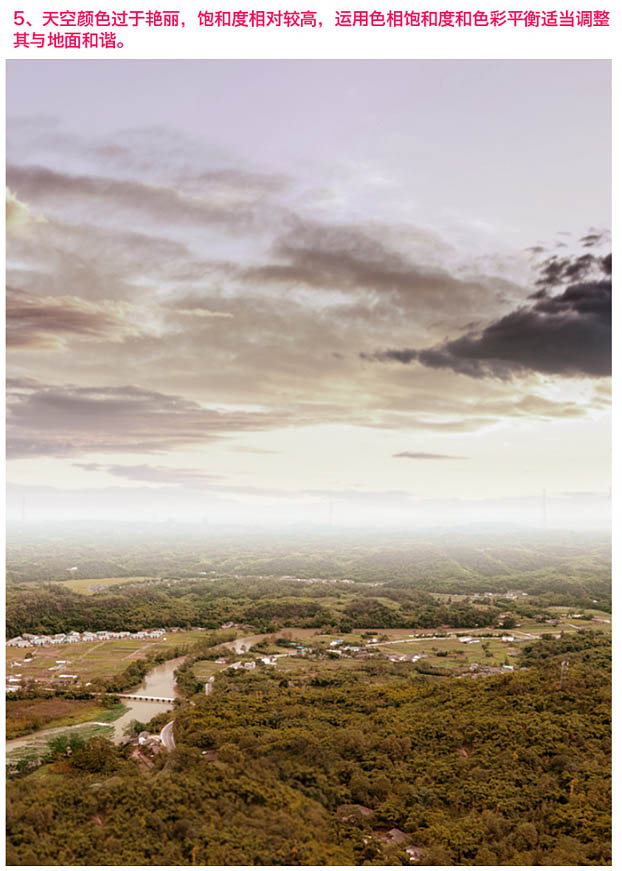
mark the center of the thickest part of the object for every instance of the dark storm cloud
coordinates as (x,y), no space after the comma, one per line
(68,420)
(595,237)
(560,270)
(421,455)
(568,334)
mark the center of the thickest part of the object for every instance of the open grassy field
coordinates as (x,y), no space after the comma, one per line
(88,586)
(598,623)
(205,668)
(88,659)
(36,745)
(24,716)
(302,665)
(451,653)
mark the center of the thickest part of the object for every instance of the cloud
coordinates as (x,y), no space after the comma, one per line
(421,455)
(163,475)
(350,258)
(169,478)
(568,334)
(395,355)
(216,283)
(66,421)
(18,214)
(35,322)
(159,202)
(560,270)
(595,237)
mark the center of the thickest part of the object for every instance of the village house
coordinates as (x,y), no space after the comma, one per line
(18,642)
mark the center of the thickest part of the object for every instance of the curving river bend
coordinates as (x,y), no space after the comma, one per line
(160,681)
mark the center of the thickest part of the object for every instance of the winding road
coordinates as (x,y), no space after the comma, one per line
(166,736)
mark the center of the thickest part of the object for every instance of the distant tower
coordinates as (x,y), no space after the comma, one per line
(330,512)
(544,508)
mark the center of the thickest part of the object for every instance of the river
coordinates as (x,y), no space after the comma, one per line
(241,645)
(160,681)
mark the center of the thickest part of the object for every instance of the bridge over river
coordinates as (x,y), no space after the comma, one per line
(138,698)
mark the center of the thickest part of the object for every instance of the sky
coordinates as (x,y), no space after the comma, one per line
(309,291)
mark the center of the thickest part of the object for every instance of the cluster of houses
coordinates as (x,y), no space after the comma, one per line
(29,640)
(249,666)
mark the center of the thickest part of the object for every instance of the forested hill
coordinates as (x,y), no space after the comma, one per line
(405,581)
(440,560)
(268,607)
(508,770)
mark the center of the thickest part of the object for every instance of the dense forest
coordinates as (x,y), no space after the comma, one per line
(512,769)
(268,605)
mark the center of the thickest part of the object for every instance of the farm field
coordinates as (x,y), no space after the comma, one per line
(24,716)
(451,653)
(89,659)
(206,668)
(89,586)
(37,745)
